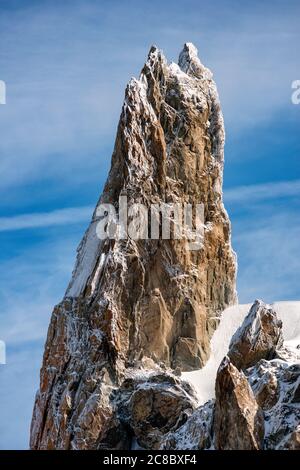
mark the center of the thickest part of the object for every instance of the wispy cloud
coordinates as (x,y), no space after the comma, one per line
(71,215)
(19,383)
(270,264)
(266,234)
(32,282)
(263,192)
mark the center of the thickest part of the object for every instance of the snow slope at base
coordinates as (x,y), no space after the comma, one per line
(204,379)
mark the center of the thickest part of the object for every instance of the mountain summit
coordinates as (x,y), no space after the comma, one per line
(139,308)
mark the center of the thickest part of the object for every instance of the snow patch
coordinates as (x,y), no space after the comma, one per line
(204,379)
(87,255)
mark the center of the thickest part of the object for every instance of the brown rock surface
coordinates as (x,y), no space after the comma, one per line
(142,300)
(293,441)
(258,337)
(238,419)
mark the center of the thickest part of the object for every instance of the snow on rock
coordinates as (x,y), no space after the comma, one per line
(259,405)
(276,386)
(289,313)
(152,404)
(87,255)
(204,379)
(195,434)
(257,338)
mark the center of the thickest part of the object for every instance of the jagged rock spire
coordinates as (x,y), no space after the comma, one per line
(144,303)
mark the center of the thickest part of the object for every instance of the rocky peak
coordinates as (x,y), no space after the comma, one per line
(139,311)
(258,337)
(190,63)
(142,303)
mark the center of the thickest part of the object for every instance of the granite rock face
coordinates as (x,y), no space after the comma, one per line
(238,419)
(257,338)
(257,408)
(137,304)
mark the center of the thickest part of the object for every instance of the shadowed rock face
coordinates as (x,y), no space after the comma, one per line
(149,302)
(153,406)
(195,434)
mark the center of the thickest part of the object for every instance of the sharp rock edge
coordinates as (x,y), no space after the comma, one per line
(137,312)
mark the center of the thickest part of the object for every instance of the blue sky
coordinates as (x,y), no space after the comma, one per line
(66,65)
